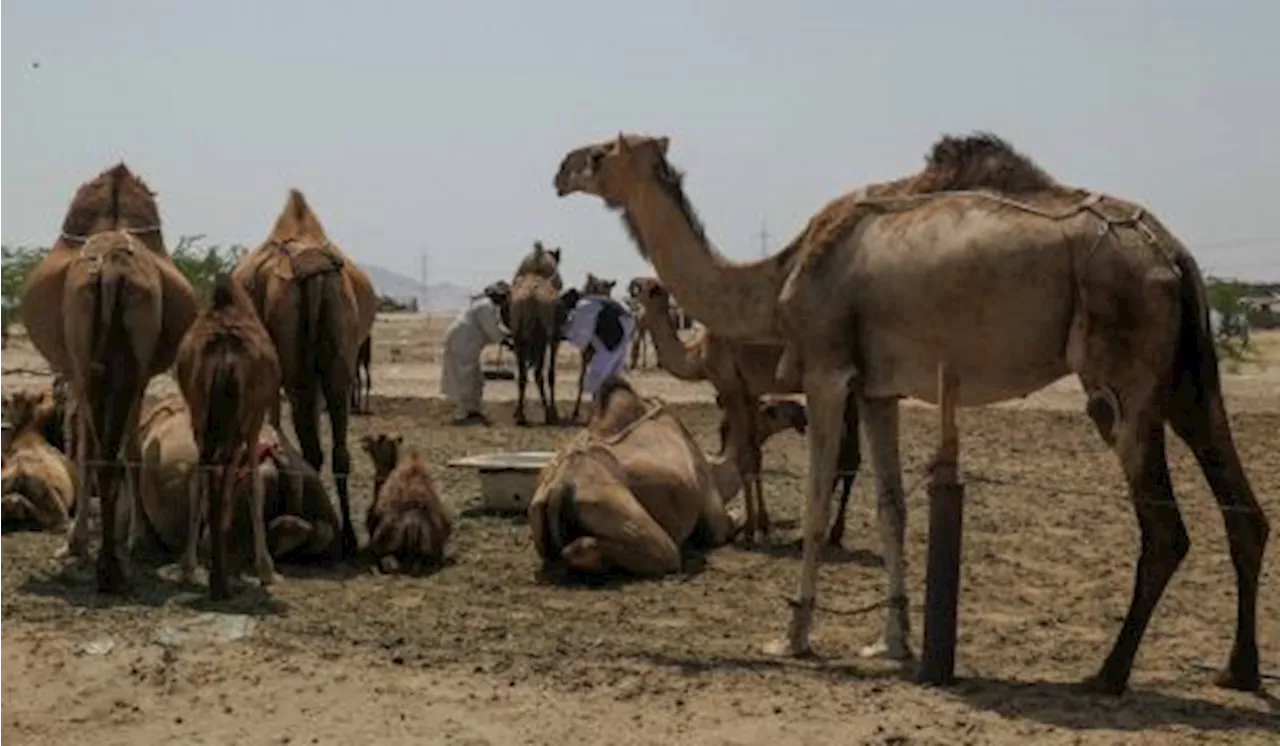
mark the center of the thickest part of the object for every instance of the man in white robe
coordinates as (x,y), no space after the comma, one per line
(462,379)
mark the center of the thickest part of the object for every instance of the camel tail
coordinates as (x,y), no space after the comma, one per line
(1197,355)
(113,369)
(311,298)
(225,391)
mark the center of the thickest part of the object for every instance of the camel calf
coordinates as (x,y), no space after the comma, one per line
(229,375)
(39,481)
(407,522)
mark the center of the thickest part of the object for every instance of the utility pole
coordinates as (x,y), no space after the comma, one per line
(764,239)
(423,280)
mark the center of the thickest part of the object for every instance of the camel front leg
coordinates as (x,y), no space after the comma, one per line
(621,535)
(261,555)
(196,494)
(132,478)
(891,514)
(77,544)
(825,392)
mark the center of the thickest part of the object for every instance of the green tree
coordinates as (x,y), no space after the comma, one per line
(18,263)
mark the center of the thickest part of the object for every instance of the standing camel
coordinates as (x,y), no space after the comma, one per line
(229,374)
(536,318)
(318,308)
(986,263)
(742,373)
(107,308)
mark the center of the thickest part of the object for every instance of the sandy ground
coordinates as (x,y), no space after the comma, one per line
(485,652)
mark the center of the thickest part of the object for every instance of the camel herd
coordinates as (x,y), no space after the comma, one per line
(980,270)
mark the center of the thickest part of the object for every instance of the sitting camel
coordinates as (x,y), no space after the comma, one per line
(229,374)
(633,489)
(741,372)
(301,522)
(408,524)
(39,481)
(536,318)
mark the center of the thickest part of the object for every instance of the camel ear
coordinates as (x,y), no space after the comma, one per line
(555,253)
(399,440)
(663,142)
(368,442)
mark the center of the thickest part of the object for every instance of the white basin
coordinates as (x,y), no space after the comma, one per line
(507,479)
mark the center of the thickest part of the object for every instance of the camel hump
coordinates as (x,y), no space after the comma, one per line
(533,286)
(980,161)
(309,261)
(114,199)
(297,221)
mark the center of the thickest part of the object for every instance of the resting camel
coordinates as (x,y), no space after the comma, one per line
(39,481)
(229,375)
(301,522)
(319,308)
(741,372)
(364,361)
(408,524)
(107,308)
(536,317)
(985,262)
(633,489)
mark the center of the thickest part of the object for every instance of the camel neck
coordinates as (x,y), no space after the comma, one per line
(674,356)
(733,300)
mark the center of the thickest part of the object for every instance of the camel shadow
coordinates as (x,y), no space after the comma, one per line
(76,585)
(836,555)
(1063,705)
(692,564)
(477,510)
(829,669)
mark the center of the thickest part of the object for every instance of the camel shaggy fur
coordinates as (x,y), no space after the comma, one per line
(39,480)
(229,375)
(633,489)
(408,524)
(985,264)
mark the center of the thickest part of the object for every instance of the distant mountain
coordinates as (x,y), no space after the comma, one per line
(437,296)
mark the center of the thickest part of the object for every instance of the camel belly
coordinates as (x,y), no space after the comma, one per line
(992,293)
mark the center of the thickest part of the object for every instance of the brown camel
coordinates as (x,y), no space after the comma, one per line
(319,308)
(742,373)
(229,375)
(39,481)
(301,522)
(638,355)
(408,524)
(107,308)
(634,488)
(364,362)
(536,317)
(983,262)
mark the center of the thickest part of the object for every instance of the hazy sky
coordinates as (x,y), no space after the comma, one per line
(437,127)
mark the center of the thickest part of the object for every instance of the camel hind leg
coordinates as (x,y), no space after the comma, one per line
(336,385)
(847,472)
(621,535)
(77,543)
(1200,420)
(522,380)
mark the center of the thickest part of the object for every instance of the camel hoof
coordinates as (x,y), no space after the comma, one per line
(786,648)
(883,650)
(269,578)
(111,578)
(1100,685)
(388,564)
(1241,682)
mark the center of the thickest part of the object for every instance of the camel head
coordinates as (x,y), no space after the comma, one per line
(384,451)
(609,169)
(598,286)
(540,250)
(651,294)
(28,410)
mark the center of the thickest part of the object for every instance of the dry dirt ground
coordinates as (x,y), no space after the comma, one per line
(486,652)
